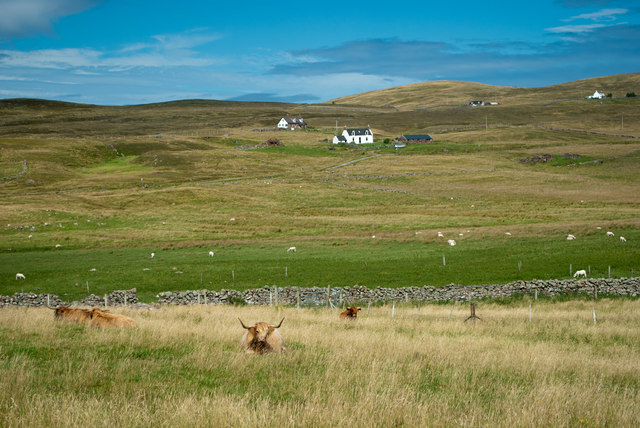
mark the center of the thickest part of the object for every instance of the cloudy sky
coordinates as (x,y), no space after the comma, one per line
(117,52)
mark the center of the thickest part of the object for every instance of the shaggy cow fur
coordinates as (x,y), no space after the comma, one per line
(262,338)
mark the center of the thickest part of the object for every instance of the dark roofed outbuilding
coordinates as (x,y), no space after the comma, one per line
(416,138)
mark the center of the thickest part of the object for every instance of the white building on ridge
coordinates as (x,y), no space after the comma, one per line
(354,136)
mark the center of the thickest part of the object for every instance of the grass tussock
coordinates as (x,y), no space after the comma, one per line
(183,367)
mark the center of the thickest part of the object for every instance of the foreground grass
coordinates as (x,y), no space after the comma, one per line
(183,367)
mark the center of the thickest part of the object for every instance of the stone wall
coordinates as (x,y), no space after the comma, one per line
(317,296)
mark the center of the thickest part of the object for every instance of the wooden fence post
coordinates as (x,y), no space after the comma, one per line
(418,316)
(298,303)
(529,312)
(393,309)
(105,301)
(473,317)
(328,294)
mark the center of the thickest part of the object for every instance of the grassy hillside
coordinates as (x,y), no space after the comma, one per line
(451,93)
(109,185)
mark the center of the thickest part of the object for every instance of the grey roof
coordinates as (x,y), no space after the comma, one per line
(295,120)
(359,131)
(418,137)
(341,138)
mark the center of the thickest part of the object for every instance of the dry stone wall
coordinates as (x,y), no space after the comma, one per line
(317,296)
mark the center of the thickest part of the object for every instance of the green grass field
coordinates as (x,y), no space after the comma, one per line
(106,186)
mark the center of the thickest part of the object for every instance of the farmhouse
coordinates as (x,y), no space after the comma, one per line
(476,103)
(292,123)
(417,138)
(597,95)
(354,136)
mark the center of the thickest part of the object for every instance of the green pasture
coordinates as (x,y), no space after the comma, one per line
(372,263)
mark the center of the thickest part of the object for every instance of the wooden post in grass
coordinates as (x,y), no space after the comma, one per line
(609,271)
(270,298)
(105,301)
(570,269)
(48,301)
(520,266)
(594,315)
(328,294)
(393,309)
(589,271)
(88,287)
(286,271)
(233,275)
(198,299)
(444,261)
(298,303)
(125,298)
(536,294)
(473,317)
(368,305)
(200,277)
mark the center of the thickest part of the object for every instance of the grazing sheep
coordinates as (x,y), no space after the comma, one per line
(610,234)
(20,276)
(291,250)
(211,253)
(440,235)
(623,239)
(451,242)
(508,233)
(570,237)
(153,255)
(580,273)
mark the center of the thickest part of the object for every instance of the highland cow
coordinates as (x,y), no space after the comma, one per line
(350,313)
(262,338)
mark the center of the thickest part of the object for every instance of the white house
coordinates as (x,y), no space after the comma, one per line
(597,95)
(354,136)
(292,123)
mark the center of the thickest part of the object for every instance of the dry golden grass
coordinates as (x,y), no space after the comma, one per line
(183,366)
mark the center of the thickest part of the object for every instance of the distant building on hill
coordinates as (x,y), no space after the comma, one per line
(292,123)
(476,103)
(416,138)
(597,95)
(354,136)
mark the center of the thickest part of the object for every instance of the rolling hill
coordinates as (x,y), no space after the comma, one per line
(454,93)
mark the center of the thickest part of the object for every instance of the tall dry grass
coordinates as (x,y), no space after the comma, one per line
(183,367)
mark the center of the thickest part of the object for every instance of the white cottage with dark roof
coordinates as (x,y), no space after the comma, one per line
(354,136)
(292,123)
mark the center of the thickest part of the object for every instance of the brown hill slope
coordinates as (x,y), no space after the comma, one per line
(451,93)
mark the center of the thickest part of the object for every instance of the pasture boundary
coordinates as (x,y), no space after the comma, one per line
(338,296)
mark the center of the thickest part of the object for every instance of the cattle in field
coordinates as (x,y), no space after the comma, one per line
(262,338)
(350,313)
(72,314)
(105,319)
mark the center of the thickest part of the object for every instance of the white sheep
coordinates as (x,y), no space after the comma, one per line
(440,235)
(610,234)
(451,242)
(570,237)
(623,239)
(211,253)
(508,233)
(153,255)
(291,250)
(581,272)
(20,276)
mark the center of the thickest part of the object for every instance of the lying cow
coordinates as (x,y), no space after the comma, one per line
(72,314)
(262,338)
(351,312)
(101,318)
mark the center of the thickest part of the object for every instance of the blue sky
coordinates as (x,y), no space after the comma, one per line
(117,52)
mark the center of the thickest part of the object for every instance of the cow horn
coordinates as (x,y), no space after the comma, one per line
(278,326)
(243,324)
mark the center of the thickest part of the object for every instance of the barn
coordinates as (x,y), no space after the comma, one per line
(416,138)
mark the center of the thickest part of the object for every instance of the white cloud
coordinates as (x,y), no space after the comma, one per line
(50,58)
(575,29)
(601,15)
(19,18)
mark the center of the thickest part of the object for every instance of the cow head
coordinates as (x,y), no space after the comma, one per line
(353,311)
(260,330)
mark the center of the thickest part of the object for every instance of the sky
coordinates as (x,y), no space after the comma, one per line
(122,52)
